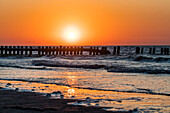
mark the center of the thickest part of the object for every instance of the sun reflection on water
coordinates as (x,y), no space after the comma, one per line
(71,78)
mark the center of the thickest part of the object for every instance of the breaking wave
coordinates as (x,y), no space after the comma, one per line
(26,67)
(138,70)
(150,59)
(58,64)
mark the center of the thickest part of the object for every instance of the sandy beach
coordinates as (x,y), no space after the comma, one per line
(12,101)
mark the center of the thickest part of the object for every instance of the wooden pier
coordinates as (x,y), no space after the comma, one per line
(51,50)
(76,50)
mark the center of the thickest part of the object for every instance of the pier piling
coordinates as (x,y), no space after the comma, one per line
(167,51)
(118,50)
(142,50)
(30,53)
(137,50)
(150,50)
(6,50)
(2,49)
(153,52)
(114,51)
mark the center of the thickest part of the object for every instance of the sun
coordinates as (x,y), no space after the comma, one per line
(71,34)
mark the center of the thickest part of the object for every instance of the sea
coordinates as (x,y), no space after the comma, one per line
(125,82)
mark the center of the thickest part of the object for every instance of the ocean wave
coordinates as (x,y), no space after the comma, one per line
(161,59)
(151,59)
(59,64)
(138,70)
(120,66)
(24,67)
(143,58)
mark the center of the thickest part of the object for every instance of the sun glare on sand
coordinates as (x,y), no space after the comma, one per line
(71,34)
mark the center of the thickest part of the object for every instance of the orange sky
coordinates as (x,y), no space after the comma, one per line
(100,22)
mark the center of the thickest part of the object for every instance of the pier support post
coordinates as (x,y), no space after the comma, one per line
(137,50)
(167,51)
(81,52)
(76,50)
(39,51)
(46,50)
(18,47)
(52,50)
(60,50)
(22,50)
(90,51)
(94,51)
(6,47)
(162,51)
(49,50)
(26,50)
(64,50)
(14,49)
(103,50)
(150,50)
(42,51)
(30,51)
(67,50)
(97,50)
(114,51)
(118,50)
(56,49)
(142,50)
(71,50)
(10,49)
(2,50)
(153,52)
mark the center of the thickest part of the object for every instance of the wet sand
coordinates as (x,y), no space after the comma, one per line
(12,101)
(31,97)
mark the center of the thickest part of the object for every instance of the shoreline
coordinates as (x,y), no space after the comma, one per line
(149,92)
(13,101)
(75,99)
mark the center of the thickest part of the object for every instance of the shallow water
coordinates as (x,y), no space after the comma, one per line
(105,78)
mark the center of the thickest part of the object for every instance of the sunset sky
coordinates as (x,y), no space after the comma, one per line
(84,22)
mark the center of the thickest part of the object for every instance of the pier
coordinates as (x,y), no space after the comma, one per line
(78,50)
(51,50)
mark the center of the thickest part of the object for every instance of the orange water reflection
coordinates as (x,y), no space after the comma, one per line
(71,78)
